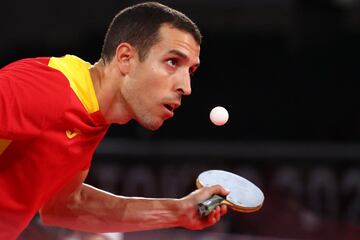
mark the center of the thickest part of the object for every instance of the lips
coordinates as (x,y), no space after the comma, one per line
(171,107)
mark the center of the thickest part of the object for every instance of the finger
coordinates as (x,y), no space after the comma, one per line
(217,214)
(212,218)
(223,209)
(217,189)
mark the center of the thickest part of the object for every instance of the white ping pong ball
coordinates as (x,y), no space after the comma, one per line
(219,116)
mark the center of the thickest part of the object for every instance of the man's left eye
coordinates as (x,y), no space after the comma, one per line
(172,62)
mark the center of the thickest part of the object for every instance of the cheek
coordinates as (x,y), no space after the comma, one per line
(141,93)
(149,82)
(154,85)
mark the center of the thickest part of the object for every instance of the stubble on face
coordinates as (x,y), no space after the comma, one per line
(151,84)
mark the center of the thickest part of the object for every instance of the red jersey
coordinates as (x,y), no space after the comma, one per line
(50,125)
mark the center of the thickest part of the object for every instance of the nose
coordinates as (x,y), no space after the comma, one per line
(184,86)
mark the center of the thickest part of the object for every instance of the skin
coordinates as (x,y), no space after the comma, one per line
(130,89)
(127,89)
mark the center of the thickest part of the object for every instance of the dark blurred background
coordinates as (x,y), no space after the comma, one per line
(286,70)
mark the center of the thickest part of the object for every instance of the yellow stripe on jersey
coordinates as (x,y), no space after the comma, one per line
(3,145)
(77,72)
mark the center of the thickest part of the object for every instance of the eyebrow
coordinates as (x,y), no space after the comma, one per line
(179,54)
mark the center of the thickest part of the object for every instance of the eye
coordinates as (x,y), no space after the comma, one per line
(172,62)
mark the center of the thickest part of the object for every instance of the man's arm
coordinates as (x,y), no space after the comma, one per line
(82,207)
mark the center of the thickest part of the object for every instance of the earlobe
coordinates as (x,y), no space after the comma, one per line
(124,53)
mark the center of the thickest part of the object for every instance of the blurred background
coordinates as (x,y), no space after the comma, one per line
(286,70)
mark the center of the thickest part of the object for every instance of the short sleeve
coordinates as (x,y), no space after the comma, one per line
(32,97)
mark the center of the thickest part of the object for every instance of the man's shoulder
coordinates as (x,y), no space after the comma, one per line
(26,63)
(33,96)
(77,72)
(28,70)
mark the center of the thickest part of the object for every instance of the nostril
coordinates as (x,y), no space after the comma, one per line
(181,91)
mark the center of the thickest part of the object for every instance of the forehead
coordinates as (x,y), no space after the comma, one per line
(172,39)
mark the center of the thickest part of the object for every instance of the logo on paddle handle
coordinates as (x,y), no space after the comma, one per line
(206,207)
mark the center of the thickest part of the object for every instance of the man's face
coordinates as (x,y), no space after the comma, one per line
(154,87)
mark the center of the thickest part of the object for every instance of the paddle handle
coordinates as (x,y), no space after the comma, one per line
(210,204)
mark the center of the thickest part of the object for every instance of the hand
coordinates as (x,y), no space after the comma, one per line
(191,218)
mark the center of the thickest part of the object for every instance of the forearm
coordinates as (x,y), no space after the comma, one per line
(97,211)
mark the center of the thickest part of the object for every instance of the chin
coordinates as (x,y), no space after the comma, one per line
(153,128)
(152,125)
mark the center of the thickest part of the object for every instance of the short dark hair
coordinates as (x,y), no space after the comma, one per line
(139,26)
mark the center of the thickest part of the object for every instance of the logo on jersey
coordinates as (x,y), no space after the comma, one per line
(71,134)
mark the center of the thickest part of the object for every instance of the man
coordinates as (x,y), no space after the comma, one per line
(54,112)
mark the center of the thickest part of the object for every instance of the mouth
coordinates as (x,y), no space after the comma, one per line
(171,106)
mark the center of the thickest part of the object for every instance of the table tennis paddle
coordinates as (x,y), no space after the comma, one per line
(244,196)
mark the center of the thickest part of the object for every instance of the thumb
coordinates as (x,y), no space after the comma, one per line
(218,189)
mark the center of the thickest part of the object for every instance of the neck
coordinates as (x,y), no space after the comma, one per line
(107,82)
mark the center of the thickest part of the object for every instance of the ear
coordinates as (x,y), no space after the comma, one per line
(123,56)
